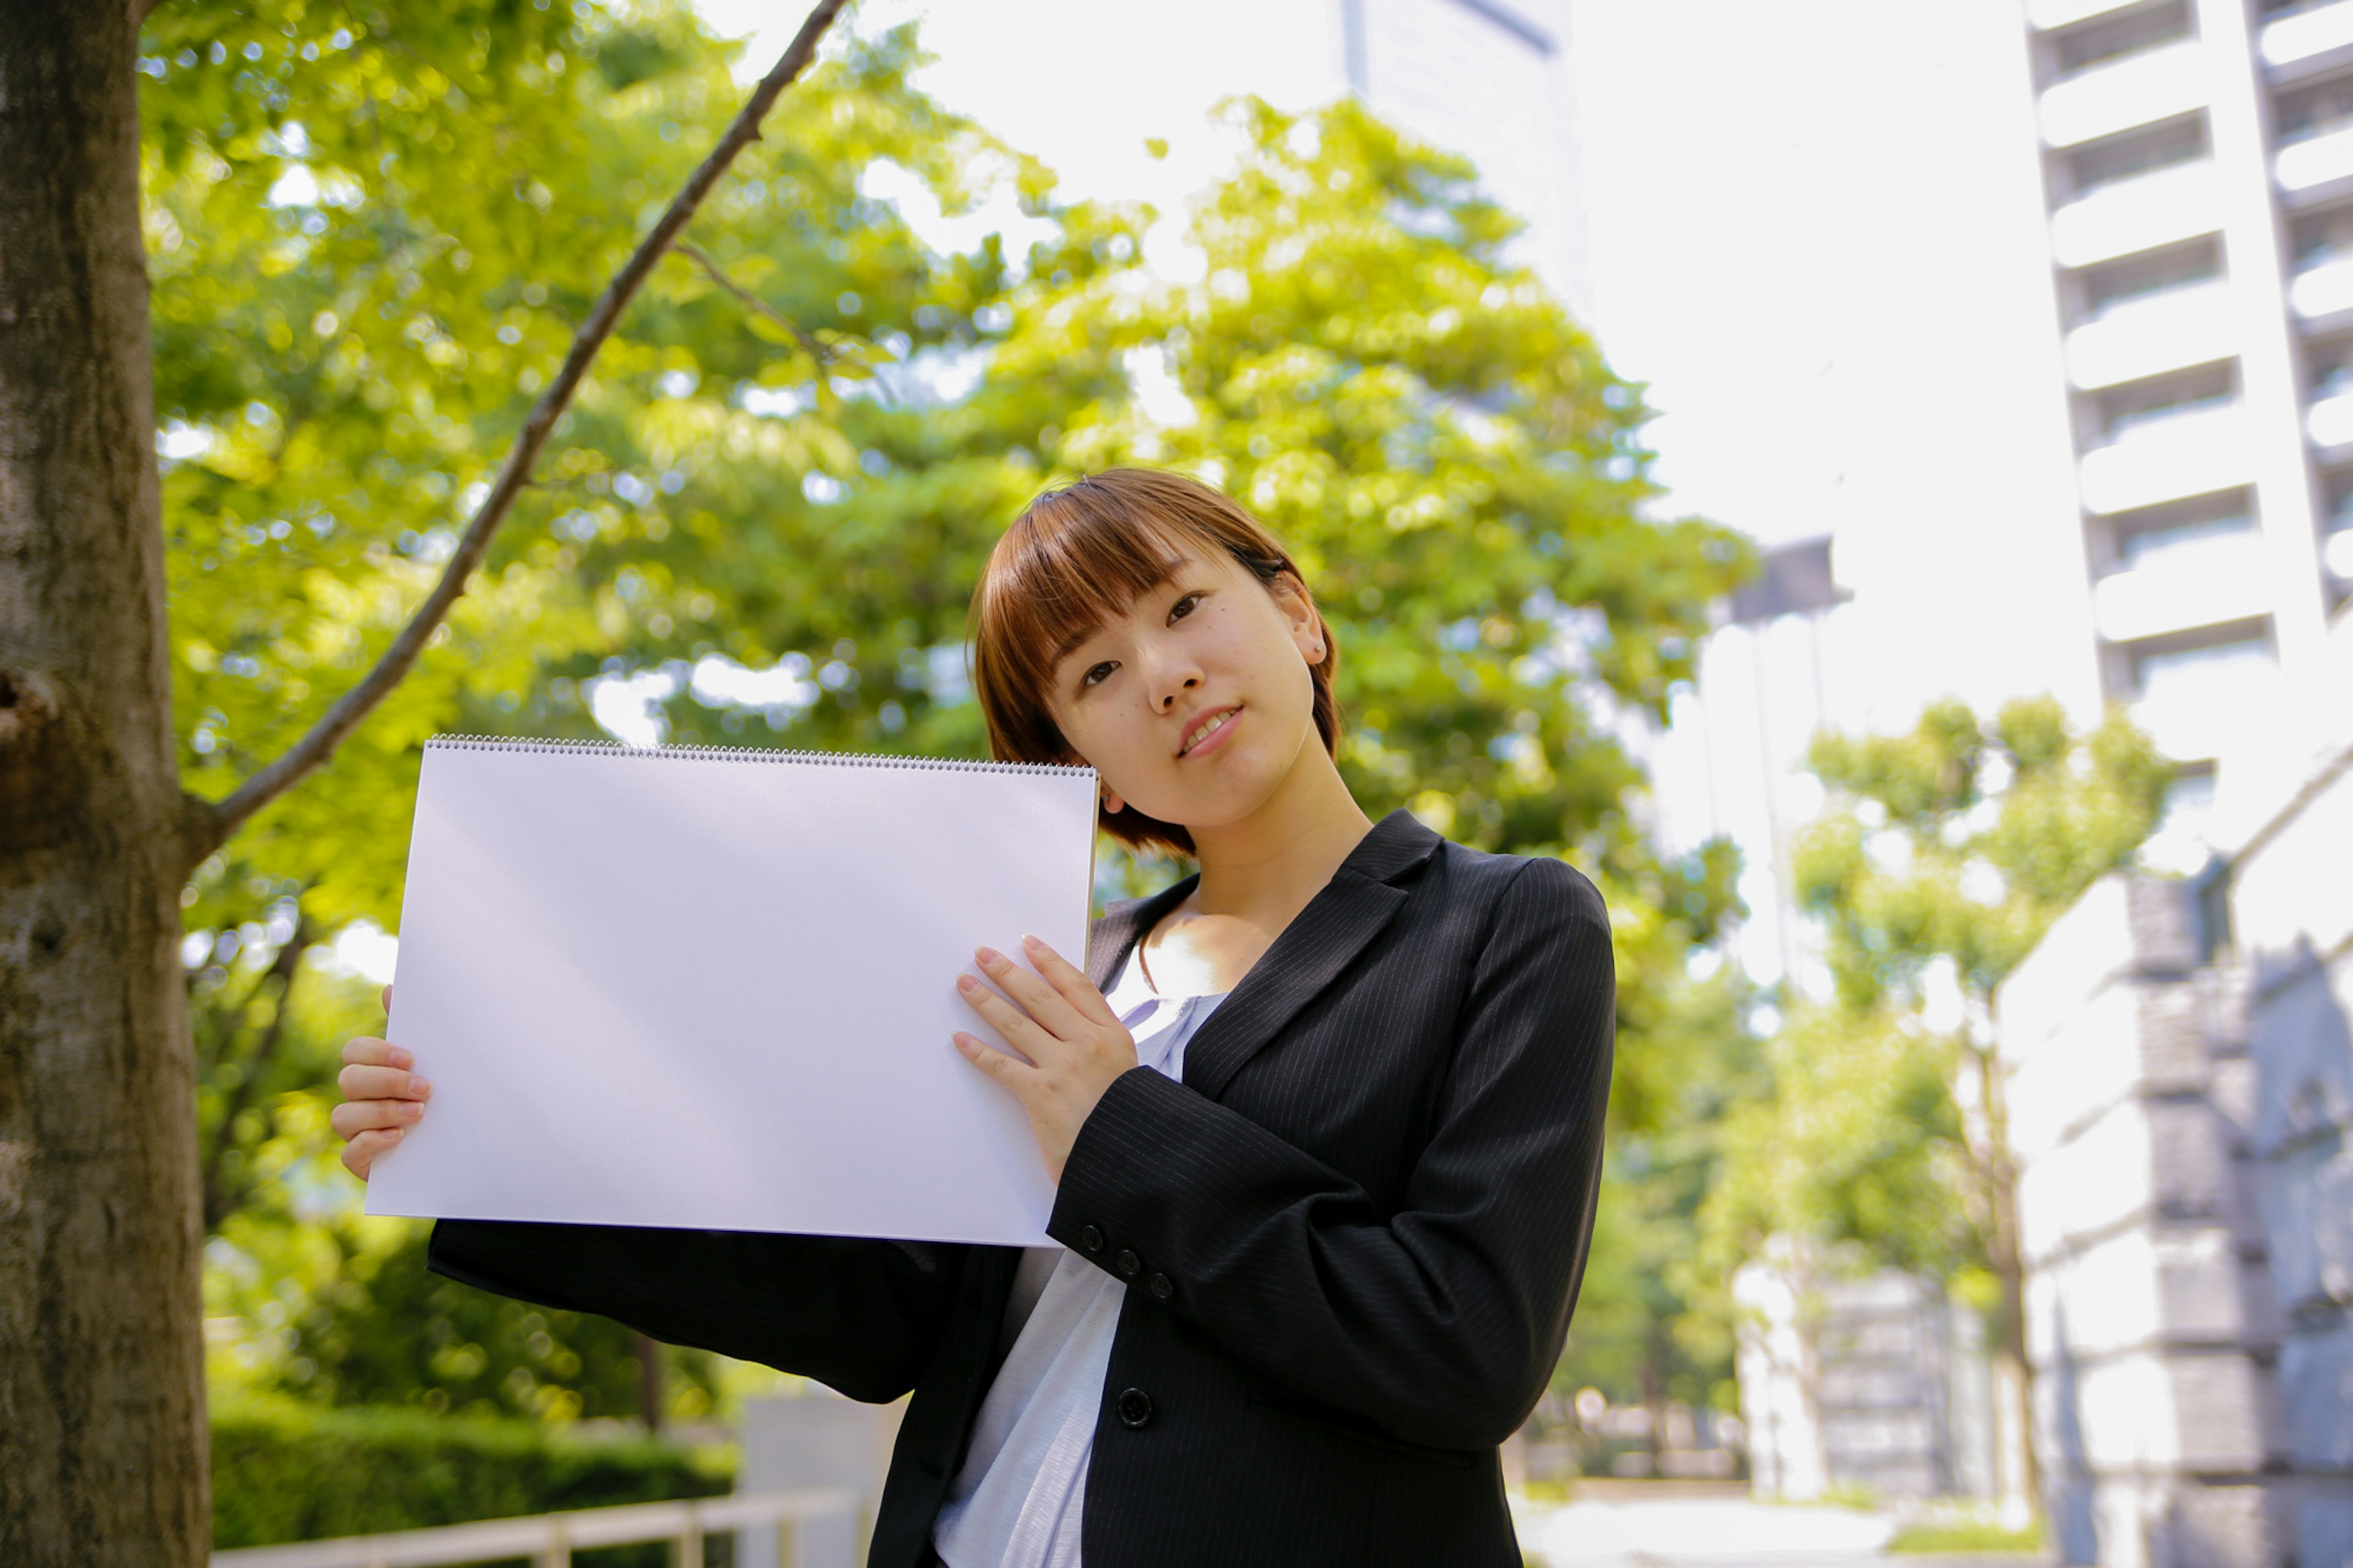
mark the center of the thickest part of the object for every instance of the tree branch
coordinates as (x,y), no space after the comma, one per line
(216,821)
(816,350)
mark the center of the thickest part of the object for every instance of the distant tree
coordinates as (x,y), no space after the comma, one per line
(1940,859)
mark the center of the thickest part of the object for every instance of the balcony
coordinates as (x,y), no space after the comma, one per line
(2329,424)
(2140,214)
(2310,42)
(2153,335)
(2316,170)
(2322,296)
(2336,554)
(2194,453)
(2139,89)
(2044,14)
(2205,583)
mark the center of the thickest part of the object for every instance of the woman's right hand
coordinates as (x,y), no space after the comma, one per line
(382,1099)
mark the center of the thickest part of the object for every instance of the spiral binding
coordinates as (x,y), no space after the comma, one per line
(742,755)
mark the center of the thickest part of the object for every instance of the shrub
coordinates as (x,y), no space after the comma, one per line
(284,1471)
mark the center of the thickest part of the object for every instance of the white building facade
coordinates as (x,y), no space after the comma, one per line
(2198,160)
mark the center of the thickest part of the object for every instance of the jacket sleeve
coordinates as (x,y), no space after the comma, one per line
(861,1317)
(1443,1322)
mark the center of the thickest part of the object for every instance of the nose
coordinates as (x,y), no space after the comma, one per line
(1171,674)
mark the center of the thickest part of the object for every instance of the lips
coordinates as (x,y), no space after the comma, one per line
(1210,725)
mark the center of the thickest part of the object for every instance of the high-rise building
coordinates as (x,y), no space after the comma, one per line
(2199,172)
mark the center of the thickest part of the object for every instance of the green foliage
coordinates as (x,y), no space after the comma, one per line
(1940,859)
(342,1311)
(1976,1537)
(371,236)
(284,1471)
(1963,841)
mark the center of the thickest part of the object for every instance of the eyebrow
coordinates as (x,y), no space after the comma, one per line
(1072,640)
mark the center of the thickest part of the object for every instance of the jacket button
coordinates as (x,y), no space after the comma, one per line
(1134,1407)
(1162,1289)
(1130,1264)
(1091,1238)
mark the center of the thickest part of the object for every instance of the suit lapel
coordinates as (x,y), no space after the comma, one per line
(1326,937)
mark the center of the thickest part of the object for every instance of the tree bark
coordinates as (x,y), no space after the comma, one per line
(2020,1479)
(103,1455)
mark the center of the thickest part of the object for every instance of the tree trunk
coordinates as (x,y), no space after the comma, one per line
(649,1381)
(2020,1477)
(102,1458)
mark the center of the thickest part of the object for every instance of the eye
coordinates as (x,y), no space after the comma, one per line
(1184,606)
(1097,674)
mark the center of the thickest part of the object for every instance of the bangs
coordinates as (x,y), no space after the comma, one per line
(1076,560)
(1056,580)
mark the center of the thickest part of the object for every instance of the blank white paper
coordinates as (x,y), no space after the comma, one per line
(660,988)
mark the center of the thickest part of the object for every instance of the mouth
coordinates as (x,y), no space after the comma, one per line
(1206,733)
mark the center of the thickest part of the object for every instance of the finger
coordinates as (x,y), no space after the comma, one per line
(1070,979)
(364,1051)
(387,998)
(382,1083)
(362,1152)
(1023,1032)
(1012,1073)
(356,1116)
(1037,998)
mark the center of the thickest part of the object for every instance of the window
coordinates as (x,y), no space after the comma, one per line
(2106,162)
(2158,272)
(2322,237)
(2127,408)
(2315,111)
(2162,532)
(2212,672)
(2104,42)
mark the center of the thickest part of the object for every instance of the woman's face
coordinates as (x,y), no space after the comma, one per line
(1196,705)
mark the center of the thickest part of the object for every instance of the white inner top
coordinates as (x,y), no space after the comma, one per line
(1018,1501)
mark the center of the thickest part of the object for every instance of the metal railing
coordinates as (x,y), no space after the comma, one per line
(550,1538)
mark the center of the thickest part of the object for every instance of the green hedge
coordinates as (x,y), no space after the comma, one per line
(284,1471)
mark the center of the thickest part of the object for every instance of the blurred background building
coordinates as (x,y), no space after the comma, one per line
(2199,170)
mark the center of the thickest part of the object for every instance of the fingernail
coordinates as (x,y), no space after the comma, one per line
(419,1088)
(990,955)
(1032,942)
(967,983)
(411,1110)
(401,1058)
(392,1134)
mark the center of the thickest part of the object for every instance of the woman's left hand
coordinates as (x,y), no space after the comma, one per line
(1064,1027)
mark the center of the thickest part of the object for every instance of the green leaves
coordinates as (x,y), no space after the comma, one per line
(1941,858)
(373,230)
(1923,855)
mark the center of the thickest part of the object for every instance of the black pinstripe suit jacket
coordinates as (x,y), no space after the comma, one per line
(1353,1237)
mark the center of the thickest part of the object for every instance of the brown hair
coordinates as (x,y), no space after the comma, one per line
(1078,557)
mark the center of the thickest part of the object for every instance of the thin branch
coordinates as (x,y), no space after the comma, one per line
(283,968)
(816,350)
(217,821)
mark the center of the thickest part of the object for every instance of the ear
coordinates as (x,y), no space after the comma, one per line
(1111,803)
(1306,625)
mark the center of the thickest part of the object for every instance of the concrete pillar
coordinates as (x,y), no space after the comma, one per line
(817,1439)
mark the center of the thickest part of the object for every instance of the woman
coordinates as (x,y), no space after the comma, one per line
(1326,1120)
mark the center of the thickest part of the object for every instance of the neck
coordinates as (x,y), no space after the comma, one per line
(1265,868)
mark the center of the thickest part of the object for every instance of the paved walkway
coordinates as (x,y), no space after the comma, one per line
(1652,1526)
